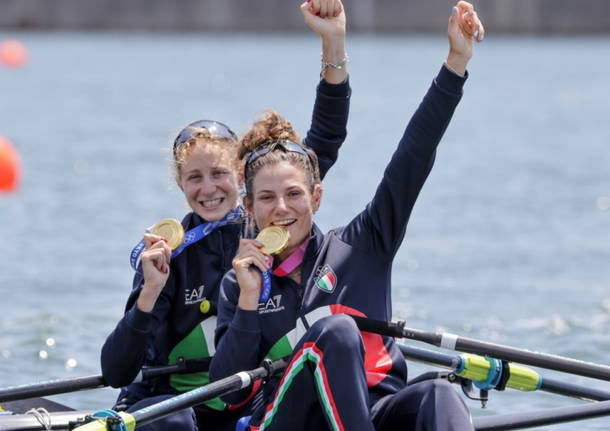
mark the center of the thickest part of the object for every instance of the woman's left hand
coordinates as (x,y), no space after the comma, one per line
(463,29)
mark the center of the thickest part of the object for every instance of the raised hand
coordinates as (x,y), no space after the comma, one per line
(248,259)
(325,17)
(463,29)
(155,267)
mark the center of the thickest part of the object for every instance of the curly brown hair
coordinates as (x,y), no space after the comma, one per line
(270,129)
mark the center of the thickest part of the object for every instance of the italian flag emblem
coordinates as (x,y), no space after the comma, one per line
(326,280)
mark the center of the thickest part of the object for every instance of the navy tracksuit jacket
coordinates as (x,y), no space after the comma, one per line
(347,270)
(177,328)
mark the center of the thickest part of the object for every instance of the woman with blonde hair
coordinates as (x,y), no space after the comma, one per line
(170,315)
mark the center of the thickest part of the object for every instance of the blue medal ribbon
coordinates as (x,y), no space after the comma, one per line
(266,291)
(236,215)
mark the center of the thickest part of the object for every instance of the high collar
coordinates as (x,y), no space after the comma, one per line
(315,242)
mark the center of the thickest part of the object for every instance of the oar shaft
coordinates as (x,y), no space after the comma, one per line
(499,351)
(538,418)
(62,386)
(577,391)
(189,399)
(51,387)
(212,390)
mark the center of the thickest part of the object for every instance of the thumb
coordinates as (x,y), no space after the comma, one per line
(453,16)
(453,20)
(305,9)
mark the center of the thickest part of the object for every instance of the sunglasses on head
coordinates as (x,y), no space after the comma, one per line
(270,145)
(215,128)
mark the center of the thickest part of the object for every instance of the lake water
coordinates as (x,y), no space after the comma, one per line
(509,241)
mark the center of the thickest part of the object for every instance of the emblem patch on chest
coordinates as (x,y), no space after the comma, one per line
(326,279)
(193,296)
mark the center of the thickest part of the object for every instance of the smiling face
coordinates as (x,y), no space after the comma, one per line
(283,196)
(208,177)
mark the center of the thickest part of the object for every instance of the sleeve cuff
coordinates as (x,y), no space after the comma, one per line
(450,81)
(138,319)
(246,320)
(341,89)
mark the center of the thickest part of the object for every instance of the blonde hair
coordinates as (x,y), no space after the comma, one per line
(201,138)
(268,130)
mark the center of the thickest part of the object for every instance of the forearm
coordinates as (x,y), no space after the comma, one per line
(237,349)
(124,352)
(329,118)
(387,216)
(334,53)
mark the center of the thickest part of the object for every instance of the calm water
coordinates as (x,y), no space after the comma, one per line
(509,241)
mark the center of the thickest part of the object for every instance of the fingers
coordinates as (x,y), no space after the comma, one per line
(323,8)
(338,8)
(479,30)
(249,254)
(159,255)
(465,19)
(151,238)
(468,21)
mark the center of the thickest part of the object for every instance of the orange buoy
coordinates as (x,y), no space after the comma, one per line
(10,166)
(13,53)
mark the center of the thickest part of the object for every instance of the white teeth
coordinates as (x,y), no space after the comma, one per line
(284,222)
(212,203)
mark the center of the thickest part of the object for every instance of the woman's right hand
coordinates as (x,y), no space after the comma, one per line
(155,267)
(247,263)
(327,18)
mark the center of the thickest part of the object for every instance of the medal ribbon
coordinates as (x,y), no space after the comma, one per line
(236,215)
(286,267)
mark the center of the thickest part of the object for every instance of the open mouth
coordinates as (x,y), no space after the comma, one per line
(285,223)
(212,203)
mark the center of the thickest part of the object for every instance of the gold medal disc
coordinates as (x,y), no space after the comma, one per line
(274,239)
(170,229)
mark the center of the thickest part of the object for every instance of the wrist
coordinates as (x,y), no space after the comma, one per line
(457,63)
(248,301)
(333,49)
(147,298)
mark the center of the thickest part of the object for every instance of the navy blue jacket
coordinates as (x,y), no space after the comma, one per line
(160,337)
(347,269)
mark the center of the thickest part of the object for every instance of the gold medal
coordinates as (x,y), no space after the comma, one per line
(170,229)
(274,239)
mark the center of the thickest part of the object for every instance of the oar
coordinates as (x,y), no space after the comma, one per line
(62,386)
(480,369)
(543,417)
(499,351)
(215,389)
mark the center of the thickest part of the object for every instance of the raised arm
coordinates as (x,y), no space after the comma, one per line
(381,226)
(329,119)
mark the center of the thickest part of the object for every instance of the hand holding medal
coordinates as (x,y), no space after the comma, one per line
(274,240)
(164,237)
